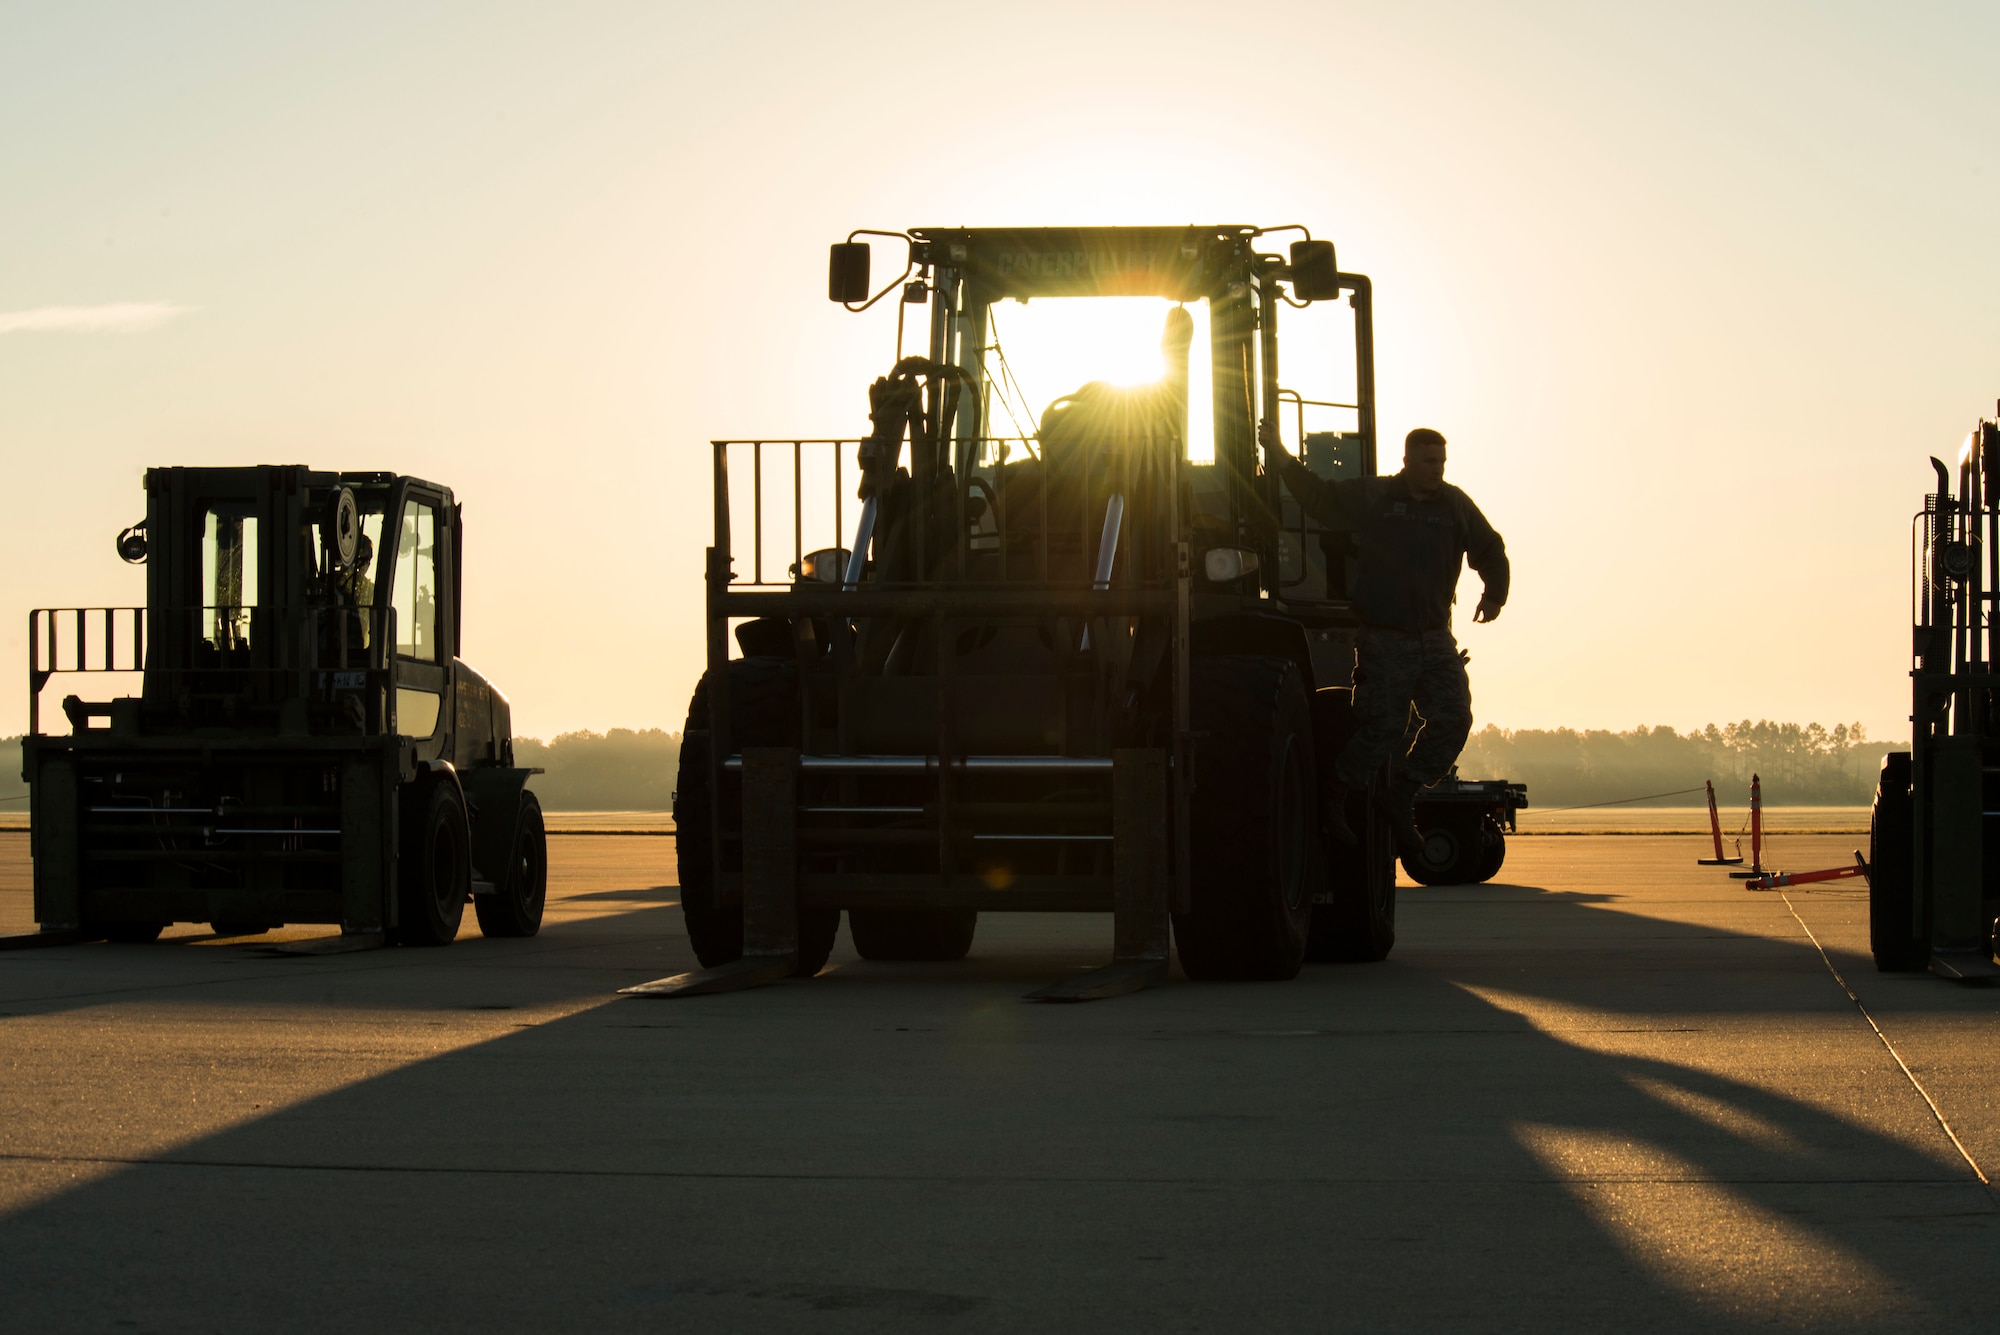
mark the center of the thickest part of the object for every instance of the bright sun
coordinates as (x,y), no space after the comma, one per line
(1056,345)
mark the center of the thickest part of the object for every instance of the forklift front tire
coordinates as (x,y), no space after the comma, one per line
(764,711)
(435,870)
(1255,836)
(1892,935)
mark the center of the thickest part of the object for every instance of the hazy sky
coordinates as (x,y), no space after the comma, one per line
(1693,289)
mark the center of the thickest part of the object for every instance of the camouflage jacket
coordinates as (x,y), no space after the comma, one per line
(1410,550)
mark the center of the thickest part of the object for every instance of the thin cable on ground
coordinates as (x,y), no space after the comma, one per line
(1621,801)
(1910,1075)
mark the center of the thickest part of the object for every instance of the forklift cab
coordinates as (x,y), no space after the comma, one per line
(299,601)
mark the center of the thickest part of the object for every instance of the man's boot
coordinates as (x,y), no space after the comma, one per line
(1403,816)
(1333,814)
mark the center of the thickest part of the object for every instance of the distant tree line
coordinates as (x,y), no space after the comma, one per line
(1801,765)
(619,770)
(13,788)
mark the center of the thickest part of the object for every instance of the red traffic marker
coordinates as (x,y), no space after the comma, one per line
(1715,832)
(1778,880)
(1757,867)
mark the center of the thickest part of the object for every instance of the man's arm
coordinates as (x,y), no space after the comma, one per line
(1486,553)
(1322,499)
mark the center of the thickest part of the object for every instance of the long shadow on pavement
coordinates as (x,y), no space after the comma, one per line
(1610,1121)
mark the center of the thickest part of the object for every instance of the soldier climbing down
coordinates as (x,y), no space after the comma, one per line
(1411,532)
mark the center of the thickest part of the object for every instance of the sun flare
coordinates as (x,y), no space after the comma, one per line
(1053,346)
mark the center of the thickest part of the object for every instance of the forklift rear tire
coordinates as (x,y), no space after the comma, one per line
(1892,936)
(912,934)
(1256,853)
(131,933)
(515,906)
(435,870)
(763,711)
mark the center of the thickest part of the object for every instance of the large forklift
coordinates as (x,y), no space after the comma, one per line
(1934,835)
(305,745)
(1095,661)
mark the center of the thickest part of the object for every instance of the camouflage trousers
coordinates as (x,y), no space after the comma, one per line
(1394,669)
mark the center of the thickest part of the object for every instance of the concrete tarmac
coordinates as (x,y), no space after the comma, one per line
(1611,1090)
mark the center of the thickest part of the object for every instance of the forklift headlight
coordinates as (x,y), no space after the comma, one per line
(1223,565)
(824,565)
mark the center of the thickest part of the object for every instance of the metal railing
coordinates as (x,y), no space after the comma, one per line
(274,651)
(1307,528)
(799,491)
(54,630)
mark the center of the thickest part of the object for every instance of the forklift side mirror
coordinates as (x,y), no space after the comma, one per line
(1315,271)
(847,271)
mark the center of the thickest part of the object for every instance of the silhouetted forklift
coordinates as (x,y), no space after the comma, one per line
(305,746)
(1934,845)
(1074,668)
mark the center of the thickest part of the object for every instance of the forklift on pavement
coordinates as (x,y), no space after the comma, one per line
(305,745)
(1934,836)
(1046,643)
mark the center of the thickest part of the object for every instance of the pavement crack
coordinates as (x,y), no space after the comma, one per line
(1943,1122)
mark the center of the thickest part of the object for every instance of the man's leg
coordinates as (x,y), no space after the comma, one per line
(1385,668)
(1443,696)
(1385,674)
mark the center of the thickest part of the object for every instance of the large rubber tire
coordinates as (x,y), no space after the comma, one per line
(1359,926)
(1452,853)
(1895,943)
(131,933)
(516,904)
(434,873)
(912,934)
(1461,850)
(763,711)
(1255,843)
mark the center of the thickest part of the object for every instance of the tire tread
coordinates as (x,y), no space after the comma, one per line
(1239,926)
(763,710)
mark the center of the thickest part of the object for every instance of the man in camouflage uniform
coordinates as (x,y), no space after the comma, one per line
(1411,532)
